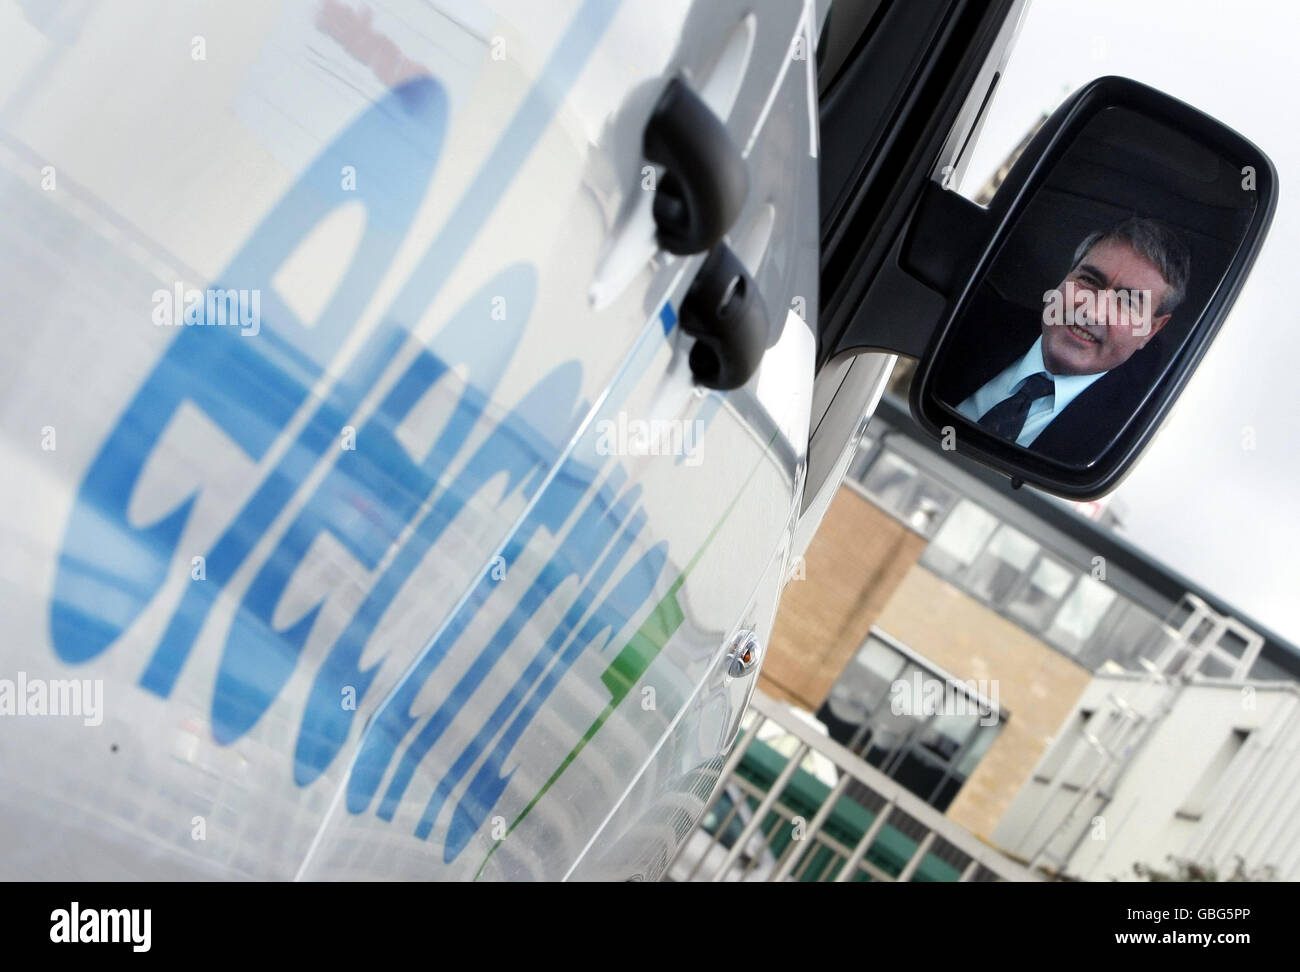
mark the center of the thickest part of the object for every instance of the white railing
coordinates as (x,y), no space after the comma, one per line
(775,841)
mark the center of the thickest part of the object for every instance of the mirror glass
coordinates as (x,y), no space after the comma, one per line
(1097,289)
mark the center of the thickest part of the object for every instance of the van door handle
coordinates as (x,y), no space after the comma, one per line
(704,182)
(725,313)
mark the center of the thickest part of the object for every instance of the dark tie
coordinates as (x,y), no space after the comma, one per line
(1007,417)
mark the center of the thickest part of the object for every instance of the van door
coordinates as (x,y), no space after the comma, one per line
(362,486)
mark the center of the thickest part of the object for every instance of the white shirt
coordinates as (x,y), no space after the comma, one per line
(1066,388)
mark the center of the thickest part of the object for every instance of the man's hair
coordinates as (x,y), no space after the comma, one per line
(1154,242)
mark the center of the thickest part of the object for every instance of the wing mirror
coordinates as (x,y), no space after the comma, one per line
(1077,306)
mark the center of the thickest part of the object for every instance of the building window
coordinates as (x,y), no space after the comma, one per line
(863,686)
(1128,633)
(905,492)
(1040,592)
(930,740)
(1005,560)
(1044,593)
(1081,614)
(1037,602)
(960,539)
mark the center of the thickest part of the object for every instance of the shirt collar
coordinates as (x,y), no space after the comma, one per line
(1065,388)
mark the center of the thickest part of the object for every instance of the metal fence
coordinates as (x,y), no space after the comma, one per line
(774,816)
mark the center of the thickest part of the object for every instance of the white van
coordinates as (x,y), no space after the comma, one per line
(412,411)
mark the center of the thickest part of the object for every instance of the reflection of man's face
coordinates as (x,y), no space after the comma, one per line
(1109,311)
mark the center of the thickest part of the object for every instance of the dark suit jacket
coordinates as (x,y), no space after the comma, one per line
(995,333)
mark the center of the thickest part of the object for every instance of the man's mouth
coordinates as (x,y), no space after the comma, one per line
(1079,334)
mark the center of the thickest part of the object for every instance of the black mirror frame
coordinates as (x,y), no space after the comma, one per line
(1037,161)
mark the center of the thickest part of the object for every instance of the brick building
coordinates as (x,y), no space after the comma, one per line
(929,569)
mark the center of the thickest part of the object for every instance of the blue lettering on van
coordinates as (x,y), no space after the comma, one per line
(370,499)
(597,526)
(612,616)
(379,474)
(109,570)
(506,450)
(575,557)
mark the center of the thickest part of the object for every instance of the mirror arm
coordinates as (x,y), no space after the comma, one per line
(945,239)
(922,274)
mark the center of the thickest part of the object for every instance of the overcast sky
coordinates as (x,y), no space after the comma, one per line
(1201,501)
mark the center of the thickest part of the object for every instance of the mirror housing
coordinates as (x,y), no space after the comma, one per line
(919,305)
